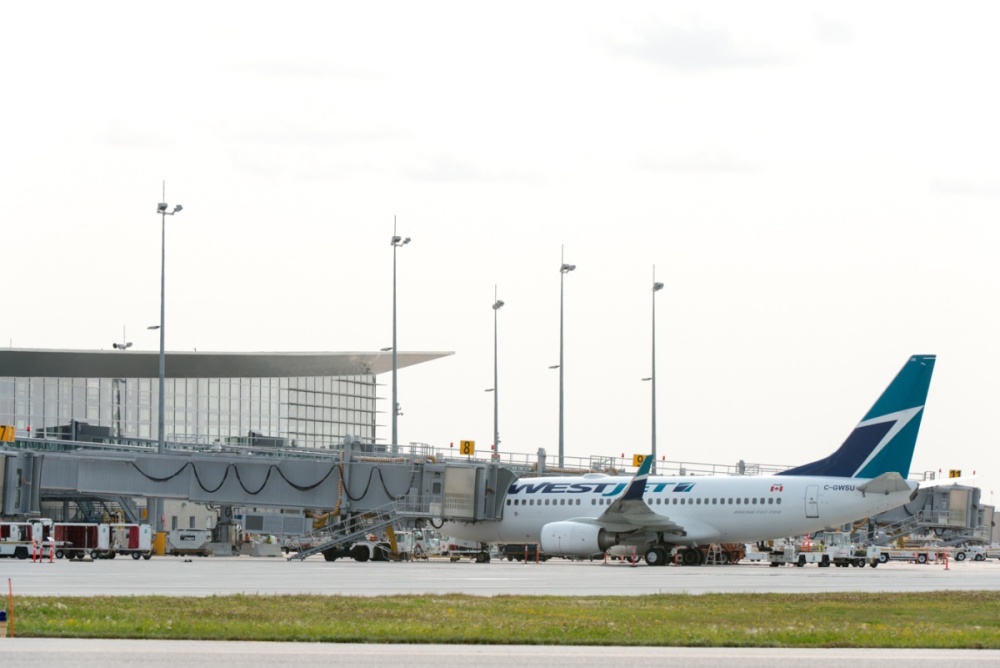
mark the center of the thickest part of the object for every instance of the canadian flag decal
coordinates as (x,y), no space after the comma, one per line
(777,488)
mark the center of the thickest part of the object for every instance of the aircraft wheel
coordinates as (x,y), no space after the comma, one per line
(655,556)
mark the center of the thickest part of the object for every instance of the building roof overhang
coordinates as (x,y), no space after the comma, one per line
(24,362)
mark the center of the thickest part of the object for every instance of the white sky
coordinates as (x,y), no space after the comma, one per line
(815,183)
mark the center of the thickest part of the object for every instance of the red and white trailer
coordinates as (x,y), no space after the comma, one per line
(76,540)
(134,539)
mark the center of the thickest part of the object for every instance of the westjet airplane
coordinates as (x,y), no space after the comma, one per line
(587,515)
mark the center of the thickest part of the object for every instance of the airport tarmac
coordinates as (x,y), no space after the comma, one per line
(207,576)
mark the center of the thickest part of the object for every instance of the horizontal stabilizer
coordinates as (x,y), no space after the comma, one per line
(885,484)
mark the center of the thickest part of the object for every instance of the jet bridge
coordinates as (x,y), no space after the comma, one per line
(335,482)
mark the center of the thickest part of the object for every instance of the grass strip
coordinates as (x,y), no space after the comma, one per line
(952,620)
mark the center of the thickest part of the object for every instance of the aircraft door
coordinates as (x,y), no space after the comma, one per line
(812,501)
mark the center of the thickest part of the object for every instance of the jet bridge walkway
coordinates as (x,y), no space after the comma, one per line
(349,482)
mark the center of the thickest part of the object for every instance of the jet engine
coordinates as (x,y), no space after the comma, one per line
(575,539)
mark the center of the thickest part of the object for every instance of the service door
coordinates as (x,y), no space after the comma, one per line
(812,501)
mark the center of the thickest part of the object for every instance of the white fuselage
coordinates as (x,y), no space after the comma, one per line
(709,509)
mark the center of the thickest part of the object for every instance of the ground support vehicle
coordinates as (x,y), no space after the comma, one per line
(361,550)
(189,541)
(920,555)
(76,540)
(18,539)
(415,544)
(133,539)
(844,553)
(456,548)
(797,554)
(970,552)
(833,548)
(992,552)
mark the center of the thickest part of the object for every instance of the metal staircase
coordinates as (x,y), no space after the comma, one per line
(355,528)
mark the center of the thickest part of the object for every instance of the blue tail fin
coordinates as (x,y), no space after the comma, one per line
(883,441)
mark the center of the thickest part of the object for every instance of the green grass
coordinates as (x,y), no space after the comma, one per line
(940,619)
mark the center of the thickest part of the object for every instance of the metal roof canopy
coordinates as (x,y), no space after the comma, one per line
(34,363)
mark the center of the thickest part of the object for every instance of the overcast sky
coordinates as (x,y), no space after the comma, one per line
(816,185)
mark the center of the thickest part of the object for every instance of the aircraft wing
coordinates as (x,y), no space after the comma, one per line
(630,513)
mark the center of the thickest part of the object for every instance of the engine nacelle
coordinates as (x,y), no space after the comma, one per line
(575,539)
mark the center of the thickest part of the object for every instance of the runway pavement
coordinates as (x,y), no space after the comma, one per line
(31,653)
(206,576)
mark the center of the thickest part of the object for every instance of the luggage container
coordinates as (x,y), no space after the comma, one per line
(76,540)
(134,539)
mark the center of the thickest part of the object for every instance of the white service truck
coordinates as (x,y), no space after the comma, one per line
(833,547)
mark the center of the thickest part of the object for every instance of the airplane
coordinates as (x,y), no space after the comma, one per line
(583,516)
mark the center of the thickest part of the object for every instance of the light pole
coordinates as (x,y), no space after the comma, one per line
(396,243)
(563,270)
(116,384)
(124,345)
(656,288)
(497,304)
(161,208)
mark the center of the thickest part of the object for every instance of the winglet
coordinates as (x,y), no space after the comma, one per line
(637,487)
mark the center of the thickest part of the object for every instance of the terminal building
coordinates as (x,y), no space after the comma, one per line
(302,400)
(244,404)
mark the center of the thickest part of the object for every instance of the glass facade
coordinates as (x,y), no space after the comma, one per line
(304,411)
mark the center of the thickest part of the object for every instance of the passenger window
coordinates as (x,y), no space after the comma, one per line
(779,500)
(737,502)
(770,501)
(755,500)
